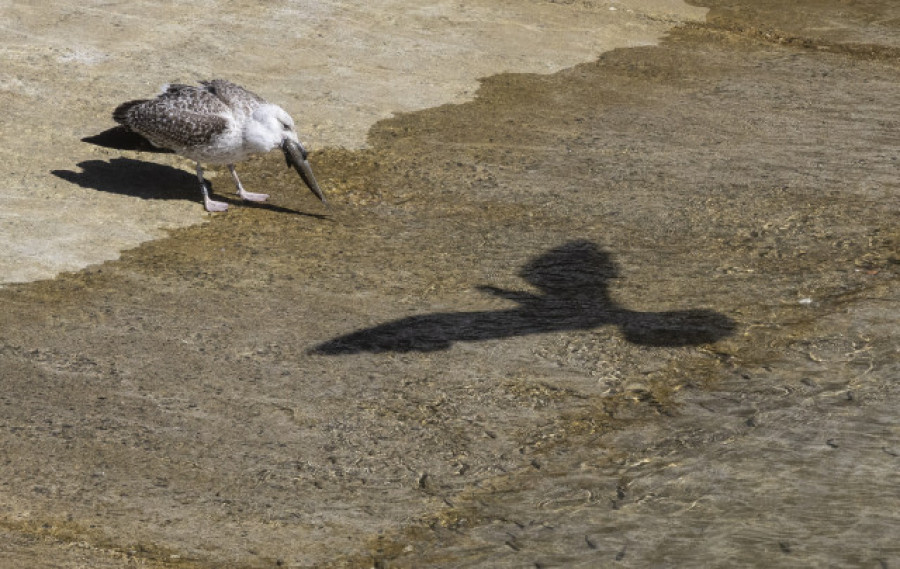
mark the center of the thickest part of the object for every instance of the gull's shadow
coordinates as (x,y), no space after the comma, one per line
(136,178)
(573,281)
(146,180)
(122,138)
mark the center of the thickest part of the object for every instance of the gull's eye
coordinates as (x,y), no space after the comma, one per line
(284,126)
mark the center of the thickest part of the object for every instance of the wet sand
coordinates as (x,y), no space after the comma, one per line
(638,312)
(337,66)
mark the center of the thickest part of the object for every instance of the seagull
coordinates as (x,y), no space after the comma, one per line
(217,123)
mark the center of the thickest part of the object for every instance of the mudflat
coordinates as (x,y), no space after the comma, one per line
(640,311)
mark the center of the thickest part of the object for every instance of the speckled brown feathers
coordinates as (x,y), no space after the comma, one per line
(237,98)
(182,116)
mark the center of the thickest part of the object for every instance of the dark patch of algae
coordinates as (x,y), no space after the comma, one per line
(818,241)
(699,163)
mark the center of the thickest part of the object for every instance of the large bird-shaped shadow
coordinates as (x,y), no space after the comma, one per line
(573,280)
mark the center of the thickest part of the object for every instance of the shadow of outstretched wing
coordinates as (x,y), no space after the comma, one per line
(573,280)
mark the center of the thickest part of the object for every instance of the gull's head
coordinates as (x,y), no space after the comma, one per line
(270,127)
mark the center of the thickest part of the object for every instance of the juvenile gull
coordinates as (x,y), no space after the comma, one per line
(217,123)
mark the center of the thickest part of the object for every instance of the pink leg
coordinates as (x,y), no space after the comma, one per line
(208,203)
(249,196)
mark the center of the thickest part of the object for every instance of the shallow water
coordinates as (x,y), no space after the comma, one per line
(640,312)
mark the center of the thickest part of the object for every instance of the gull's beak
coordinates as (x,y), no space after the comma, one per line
(295,155)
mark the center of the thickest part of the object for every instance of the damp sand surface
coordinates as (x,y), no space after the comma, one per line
(642,311)
(336,66)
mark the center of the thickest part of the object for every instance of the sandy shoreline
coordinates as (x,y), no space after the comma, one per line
(337,67)
(641,311)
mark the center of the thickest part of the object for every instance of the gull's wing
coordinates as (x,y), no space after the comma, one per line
(181,117)
(240,100)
